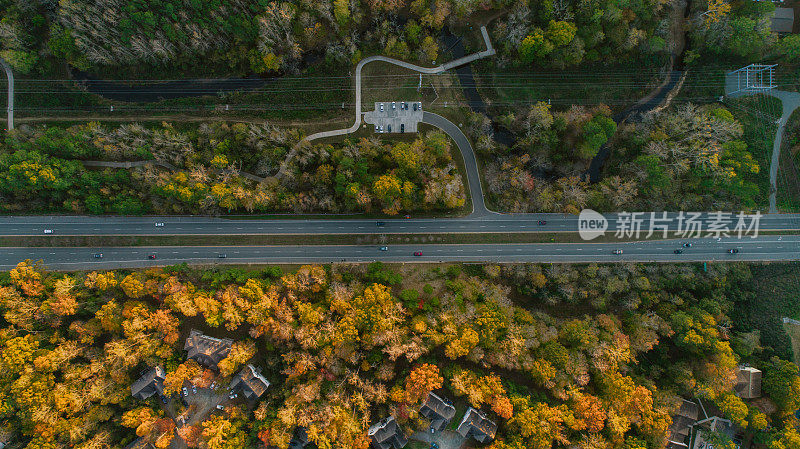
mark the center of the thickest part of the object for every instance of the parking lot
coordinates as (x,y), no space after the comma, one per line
(395,116)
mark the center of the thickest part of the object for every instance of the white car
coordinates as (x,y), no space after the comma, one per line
(159,224)
(394,105)
(194,389)
(48,231)
(220,407)
(185,391)
(232,395)
(381,107)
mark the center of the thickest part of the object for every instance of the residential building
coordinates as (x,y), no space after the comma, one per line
(475,424)
(205,350)
(748,382)
(140,443)
(250,381)
(682,422)
(387,434)
(782,20)
(715,424)
(439,411)
(152,382)
(299,439)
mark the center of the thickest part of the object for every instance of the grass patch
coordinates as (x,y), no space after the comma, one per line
(793,331)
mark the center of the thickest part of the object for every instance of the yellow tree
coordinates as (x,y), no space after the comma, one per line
(185,372)
(422,380)
(241,352)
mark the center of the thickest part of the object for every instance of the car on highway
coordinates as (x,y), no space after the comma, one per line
(617,251)
(384,248)
(151,256)
(542,222)
(381,224)
(417,253)
(48,231)
(222,256)
(678,251)
(687,245)
(159,224)
(733,250)
(98,255)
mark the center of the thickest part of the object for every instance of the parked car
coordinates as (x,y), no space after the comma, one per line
(232,395)
(388,128)
(402,127)
(384,248)
(159,224)
(214,385)
(194,389)
(415,106)
(733,250)
(417,253)
(617,251)
(151,256)
(48,231)
(403,105)
(381,107)
(98,255)
(678,251)
(164,399)
(394,105)
(376,128)
(185,391)
(220,407)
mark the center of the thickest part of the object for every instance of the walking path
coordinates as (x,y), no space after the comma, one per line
(358,113)
(790,101)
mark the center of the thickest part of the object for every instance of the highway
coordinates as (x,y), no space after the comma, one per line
(490,223)
(766,248)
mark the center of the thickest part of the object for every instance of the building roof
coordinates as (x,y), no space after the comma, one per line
(439,411)
(299,439)
(748,382)
(139,443)
(712,424)
(250,381)
(386,434)
(681,424)
(782,20)
(207,350)
(151,382)
(475,424)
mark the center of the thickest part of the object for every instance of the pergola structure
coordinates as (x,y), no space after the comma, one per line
(753,79)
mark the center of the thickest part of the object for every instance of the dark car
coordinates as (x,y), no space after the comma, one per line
(151,256)
(687,245)
(678,251)
(733,250)
(402,127)
(417,253)
(542,222)
(98,255)
(415,106)
(380,224)
(389,128)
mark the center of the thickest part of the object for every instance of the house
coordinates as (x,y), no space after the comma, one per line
(782,20)
(152,382)
(250,381)
(205,350)
(438,410)
(476,425)
(299,439)
(717,425)
(386,434)
(748,382)
(682,422)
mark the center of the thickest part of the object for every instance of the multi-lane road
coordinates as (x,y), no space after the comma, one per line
(765,248)
(490,223)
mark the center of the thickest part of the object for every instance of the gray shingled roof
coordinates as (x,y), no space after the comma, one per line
(475,424)
(250,381)
(386,434)
(438,410)
(207,351)
(152,382)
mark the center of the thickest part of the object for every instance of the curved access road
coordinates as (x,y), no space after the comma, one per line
(766,248)
(790,102)
(360,66)
(10,75)
(470,162)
